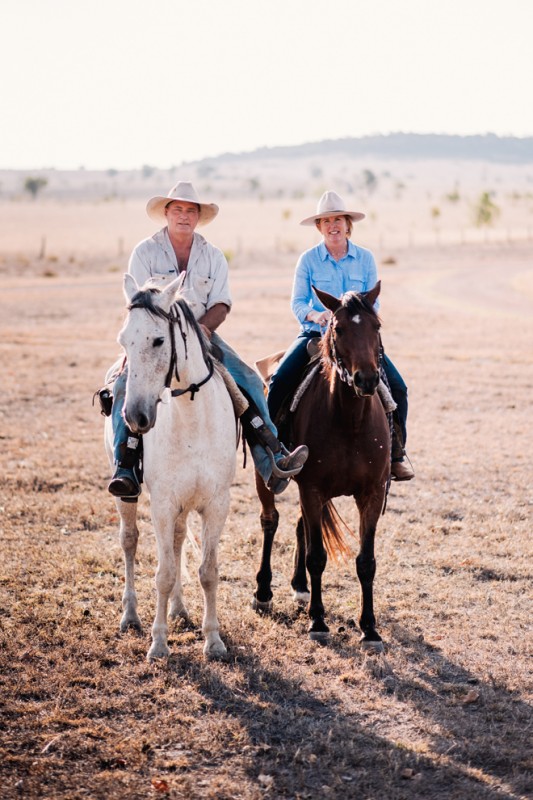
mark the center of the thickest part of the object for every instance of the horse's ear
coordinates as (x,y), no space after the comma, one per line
(168,295)
(327,300)
(373,294)
(130,287)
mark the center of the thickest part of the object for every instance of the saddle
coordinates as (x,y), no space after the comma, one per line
(268,365)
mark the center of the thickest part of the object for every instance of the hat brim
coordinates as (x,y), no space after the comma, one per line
(155,208)
(355,216)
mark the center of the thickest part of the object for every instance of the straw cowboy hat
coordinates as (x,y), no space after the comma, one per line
(183,190)
(331,204)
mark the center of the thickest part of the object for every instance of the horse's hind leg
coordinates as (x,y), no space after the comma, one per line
(177,605)
(262,599)
(213,518)
(299,575)
(366,569)
(129,536)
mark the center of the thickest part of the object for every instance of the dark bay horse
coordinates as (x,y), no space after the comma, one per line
(341,419)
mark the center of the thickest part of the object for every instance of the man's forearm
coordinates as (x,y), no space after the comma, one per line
(214,317)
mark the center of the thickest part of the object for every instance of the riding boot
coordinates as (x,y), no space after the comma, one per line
(126,480)
(284,464)
(400,469)
(127,449)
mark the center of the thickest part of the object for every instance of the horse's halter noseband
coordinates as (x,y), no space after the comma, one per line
(172,319)
(336,361)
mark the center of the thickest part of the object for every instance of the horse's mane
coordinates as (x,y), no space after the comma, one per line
(354,303)
(144,299)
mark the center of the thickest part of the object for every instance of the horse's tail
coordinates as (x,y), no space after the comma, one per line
(333,528)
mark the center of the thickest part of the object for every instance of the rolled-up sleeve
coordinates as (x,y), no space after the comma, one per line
(219,292)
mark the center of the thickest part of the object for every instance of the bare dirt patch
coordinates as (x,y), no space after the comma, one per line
(445,713)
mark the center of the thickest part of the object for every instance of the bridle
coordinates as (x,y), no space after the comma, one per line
(335,361)
(173,319)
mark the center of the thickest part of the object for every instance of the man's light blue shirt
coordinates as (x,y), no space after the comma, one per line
(355,272)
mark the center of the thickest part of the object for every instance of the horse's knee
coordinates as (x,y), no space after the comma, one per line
(208,575)
(165,578)
(316,561)
(366,567)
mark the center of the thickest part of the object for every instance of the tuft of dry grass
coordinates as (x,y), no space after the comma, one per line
(444,713)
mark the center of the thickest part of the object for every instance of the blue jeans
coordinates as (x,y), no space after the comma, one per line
(248,379)
(289,373)
(399,393)
(243,375)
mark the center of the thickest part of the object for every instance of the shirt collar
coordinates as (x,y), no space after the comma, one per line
(353,251)
(163,239)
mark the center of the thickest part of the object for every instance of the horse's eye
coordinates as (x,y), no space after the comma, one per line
(159,341)
(339,330)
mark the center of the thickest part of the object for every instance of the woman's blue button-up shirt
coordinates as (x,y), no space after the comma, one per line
(355,272)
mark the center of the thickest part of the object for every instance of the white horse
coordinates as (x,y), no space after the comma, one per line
(189,452)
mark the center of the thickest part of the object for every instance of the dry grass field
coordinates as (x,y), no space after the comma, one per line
(444,713)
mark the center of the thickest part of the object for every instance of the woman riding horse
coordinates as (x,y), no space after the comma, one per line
(336,266)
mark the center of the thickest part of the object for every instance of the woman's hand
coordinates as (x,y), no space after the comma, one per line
(320,317)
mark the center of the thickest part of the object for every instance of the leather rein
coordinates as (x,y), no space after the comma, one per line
(172,319)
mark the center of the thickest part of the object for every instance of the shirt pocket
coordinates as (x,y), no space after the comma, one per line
(321,281)
(354,283)
(202,289)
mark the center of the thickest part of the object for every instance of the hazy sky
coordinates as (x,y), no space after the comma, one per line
(122,83)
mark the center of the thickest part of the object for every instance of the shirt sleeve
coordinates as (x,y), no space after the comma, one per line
(139,265)
(301,297)
(219,291)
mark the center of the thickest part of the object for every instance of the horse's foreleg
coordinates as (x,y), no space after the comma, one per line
(213,519)
(315,561)
(262,600)
(299,575)
(165,579)
(366,570)
(177,605)
(129,536)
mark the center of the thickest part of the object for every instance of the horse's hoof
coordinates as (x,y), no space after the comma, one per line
(131,623)
(372,645)
(181,613)
(319,631)
(215,650)
(301,598)
(157,652)
(262,607)
(322,637)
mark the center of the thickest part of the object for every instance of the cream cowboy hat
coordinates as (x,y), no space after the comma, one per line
(331,204)
(183,190)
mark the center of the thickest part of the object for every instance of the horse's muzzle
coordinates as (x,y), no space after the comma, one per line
(138,421)
(365,384)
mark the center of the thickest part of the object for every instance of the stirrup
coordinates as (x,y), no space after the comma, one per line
(277,471)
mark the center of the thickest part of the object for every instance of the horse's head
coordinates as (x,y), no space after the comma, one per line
(147,339)
(352,342)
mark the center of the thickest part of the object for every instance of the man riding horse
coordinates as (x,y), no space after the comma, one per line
(173,250)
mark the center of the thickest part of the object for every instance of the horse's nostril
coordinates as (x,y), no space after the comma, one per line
(367,383)
(143,421)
